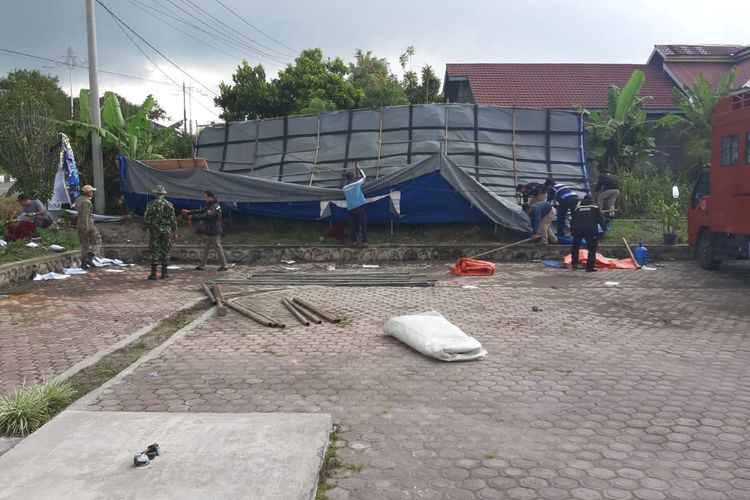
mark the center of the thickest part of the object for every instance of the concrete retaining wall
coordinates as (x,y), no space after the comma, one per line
(24,270)
(248,254)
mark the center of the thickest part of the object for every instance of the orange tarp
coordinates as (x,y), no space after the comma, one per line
(471,267)
(602,262)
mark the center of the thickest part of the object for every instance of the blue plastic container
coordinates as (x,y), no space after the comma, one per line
(641,254)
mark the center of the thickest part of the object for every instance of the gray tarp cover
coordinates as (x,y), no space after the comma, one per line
(482,151)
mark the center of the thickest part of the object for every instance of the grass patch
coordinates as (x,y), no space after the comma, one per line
(650,231)
(30,407)
(345,320)
(330,462)
(17,250)
(355,467)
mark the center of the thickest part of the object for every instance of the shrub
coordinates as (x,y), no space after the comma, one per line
(9,208)
(643,192)
(30,407)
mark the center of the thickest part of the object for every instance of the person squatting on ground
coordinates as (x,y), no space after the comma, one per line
(607,191)
(88,234)
(161,223)
(211,216)
(531,191)
(565,199)
(355,203)
(34,212)
(541,215)
(585,223)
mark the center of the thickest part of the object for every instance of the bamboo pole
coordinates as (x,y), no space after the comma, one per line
(631,253)
(251,314)
(307,314)
(209,294)
(220,309)
(501,248)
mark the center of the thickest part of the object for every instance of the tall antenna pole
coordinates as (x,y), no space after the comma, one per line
(184,111)
(96,115)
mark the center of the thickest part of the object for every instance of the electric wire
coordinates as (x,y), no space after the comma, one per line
(155,49)
(256,28)
(283,54)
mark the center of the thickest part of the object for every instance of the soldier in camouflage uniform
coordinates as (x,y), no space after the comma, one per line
(161,222)
(88,234)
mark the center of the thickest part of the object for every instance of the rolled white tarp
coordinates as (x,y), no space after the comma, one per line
(434,336)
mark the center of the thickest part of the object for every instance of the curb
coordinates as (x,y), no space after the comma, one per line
(85,400)
(96,357)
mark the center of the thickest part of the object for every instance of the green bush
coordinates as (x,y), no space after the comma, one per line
(30,407)
(643,192)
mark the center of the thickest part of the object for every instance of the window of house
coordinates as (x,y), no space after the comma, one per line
(729,150)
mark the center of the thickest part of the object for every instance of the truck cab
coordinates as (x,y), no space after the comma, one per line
(719,210)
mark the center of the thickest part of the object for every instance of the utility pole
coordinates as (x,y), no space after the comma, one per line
(96,115)
(184,111)
(70,62)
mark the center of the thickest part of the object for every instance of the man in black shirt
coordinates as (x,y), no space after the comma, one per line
(532,191)
(607,190)
(210,214)
(584,224)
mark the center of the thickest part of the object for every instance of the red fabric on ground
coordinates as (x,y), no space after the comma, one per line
(471,267)
(602,262)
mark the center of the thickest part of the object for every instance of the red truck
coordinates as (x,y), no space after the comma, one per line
(719,211)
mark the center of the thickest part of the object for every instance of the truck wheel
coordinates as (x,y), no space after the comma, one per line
(705,253)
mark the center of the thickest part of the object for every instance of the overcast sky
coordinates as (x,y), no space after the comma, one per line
(441,31)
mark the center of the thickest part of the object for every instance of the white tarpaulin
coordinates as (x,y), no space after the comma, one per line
(434,336)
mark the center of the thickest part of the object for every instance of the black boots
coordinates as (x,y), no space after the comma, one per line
(152,276)
(164,272)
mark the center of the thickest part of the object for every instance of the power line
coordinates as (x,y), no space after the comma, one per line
(113,73)
(155,49)
(283,54)
(256,28)
(227,38)
(144,6)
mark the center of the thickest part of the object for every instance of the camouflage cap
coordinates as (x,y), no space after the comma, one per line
(159,189)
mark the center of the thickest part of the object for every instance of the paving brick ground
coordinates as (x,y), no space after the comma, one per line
(640,390)
(47,327)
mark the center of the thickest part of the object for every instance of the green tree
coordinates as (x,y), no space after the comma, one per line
(621,136)
(697,104)
(428,91)
(28,135)
(379,86)
(311,77)
(250,96)
(30,86)
(410,82)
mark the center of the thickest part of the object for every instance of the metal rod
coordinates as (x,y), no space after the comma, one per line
(326,316)
(307,314)
(278,324)
(295,312)
(220,309)
(209,294)
(501,248)
(250,314)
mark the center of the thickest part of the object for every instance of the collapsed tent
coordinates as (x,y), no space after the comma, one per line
(424,163)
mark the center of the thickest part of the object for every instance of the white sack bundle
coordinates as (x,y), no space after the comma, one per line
(434,336)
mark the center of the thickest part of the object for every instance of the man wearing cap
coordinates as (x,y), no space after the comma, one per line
(34,212)
(88,234)
(161,222)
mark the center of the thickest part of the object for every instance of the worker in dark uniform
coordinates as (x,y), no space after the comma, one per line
(530,191)
(565,199)
(584,223)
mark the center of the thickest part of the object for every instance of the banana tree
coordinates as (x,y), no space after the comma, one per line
(134,136)
(622,136)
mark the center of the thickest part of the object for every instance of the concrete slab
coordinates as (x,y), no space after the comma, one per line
(89,455)
(7,443)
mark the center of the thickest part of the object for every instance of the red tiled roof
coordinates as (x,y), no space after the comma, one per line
(697,50)
(686,73)
(559,86)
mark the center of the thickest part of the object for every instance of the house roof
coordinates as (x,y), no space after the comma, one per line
(686,73)
(558,86)
(668,51)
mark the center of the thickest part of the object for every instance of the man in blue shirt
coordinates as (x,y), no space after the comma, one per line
(541,215)
(355,203)
(566,201)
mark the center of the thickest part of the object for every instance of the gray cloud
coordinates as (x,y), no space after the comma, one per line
(441,31)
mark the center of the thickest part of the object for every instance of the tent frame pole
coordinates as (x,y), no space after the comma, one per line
(317,151)
(513,145)
(380,145)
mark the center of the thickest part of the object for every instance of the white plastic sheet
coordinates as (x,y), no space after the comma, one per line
(434,336)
